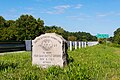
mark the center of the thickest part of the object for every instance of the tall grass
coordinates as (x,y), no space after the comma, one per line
(92,63)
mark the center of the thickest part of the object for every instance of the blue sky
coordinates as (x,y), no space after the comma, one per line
(93,16)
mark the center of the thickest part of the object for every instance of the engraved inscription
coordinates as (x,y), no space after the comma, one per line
(46,44)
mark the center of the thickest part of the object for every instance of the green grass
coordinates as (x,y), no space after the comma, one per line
(91,63)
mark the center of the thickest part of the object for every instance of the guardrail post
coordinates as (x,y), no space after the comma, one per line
(82,44)
(70,45)
(75,44)
(79,44)
(28,44)
(85,44)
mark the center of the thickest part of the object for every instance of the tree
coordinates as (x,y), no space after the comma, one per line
(9,32)
(72,38)
(84,38)
(110,39)
(117,36)
(28,27)
(55,29)
(2,22)
(10,23)
(2,25)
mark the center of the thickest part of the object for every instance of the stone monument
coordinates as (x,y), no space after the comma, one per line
(49,49)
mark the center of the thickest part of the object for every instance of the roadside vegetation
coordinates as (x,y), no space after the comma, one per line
(99,62)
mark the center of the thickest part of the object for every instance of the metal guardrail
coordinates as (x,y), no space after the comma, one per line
(6,46)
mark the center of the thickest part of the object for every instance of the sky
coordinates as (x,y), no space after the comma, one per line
(92,16)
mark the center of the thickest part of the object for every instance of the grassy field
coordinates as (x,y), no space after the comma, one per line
(91,63)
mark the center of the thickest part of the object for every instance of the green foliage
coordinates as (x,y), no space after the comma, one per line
(113,45)
(72,38)
(81,36)
(110,39)
(117,36)
(26,27)
(55,29)
(91,63)
(102,40)
(2,22)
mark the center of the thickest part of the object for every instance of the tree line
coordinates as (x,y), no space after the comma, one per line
(26,27)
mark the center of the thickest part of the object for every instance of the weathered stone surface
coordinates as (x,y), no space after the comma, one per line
(49,49)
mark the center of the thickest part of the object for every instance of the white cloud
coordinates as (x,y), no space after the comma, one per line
(78,6)
(58,9)
(62,7)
